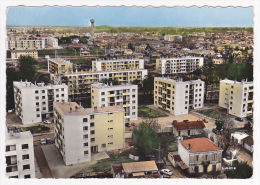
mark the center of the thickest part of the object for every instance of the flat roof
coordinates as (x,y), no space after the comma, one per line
(177,81)
(59,61)
(103,85)
(236,82)
(29,85)
(18,135)
(69,108)
(24,50)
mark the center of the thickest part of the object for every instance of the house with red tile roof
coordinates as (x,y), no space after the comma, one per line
(189,128)
(199,156)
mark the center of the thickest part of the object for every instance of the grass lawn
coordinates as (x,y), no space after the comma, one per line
(146,112)
(104,165)
(60,52)
(36,129)
(213,114)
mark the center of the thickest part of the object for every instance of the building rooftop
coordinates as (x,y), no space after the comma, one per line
(13,135)
(243,82)
(103,85)
(119,59)
(144,166)
(29,85)
(180,80)
(200,145)
(24,50)
(248,140)
(59,60)
(239,135)
(189,125)
(72,108)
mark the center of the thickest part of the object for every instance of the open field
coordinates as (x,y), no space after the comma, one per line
(146,112)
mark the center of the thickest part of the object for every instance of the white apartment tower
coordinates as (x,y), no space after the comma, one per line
(125,95)
(178,96)
(178,65)
(236,97)
(81,132)
(34,102)
(19,154)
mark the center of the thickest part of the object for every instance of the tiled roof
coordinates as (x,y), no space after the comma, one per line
(200,145)
(189,125)
(248,140)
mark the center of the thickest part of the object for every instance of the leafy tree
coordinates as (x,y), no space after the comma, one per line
(27,71)
(219,124)
(148,84)
(242,171)
(11,75)
(145,141)
(231,59)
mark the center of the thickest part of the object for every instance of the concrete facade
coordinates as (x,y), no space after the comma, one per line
(80,132)
(236,97)
(34,102)
(16,54)
(125,95)
(177,96)
(19,154)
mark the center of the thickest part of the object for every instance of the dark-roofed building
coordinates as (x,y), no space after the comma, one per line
(188,128)
(144,169)
(199,156)
(248,143)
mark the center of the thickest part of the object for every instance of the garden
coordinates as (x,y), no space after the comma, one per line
(36,129)
(146,112)
(213,114)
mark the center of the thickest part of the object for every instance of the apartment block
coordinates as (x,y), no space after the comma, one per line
(16,54)
(178,65)
(51,41)
(118,64)
(236,97)
(59,65)
(178,96)
(81,132)
(34,102)
(19,154)
(175,38)
(79,83)
(25,44)
(125,95)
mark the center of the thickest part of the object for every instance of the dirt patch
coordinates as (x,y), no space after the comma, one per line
(11,118)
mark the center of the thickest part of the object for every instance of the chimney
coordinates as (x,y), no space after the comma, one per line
(189,147)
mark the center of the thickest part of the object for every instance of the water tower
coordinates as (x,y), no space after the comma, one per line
(92,30)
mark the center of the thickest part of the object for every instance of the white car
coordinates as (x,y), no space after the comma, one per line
(167,171)
(43,141)
(47,122)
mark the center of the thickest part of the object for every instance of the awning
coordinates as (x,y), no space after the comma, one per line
(183,165)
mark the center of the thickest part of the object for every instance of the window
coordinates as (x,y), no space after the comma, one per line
(92,124)
(133,113)
(133,101)
(44,108)
(186,91)
(43,91)
(103,145)
(231,92)
(110,128)
(92,132)
(214,157)
(85,128)
(25,146)
(91,116)
(133,96)
(110,121)
(37,97)
(62,95)
(103,99)
(110,136)
(57,96)
(36,92)
(38,115)
(230,108)
(43,97)
(57,90)
(37,109)
(187,86)
(197,158)
(25,157)
(9,148)
(85,119)
(86,144)
(86,152)
(102,93)
(133,107)
(186,108)
(205,157)
(232,87)
(44,103)
(111,143)
(26,167)
(27,176)
(85,136)
(62,89)
(92,139)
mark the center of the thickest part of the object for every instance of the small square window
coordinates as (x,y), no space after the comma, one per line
(86,144)
(85,119)
(86,152)
(92,139)
(26,167)
(25,157)
(92,132)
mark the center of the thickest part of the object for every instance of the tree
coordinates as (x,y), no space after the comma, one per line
(219,124)
(242,171)
(148,84)
(27,71)
(145,141)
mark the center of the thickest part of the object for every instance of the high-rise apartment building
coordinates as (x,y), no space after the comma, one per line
(178,65)
(81,132)
(34,102)
(178,96)
(19,154)
(118,64)
(125,95)
(236,97)
(59,65)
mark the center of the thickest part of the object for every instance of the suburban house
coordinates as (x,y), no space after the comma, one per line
(188,128)
(144,169)
(199,156)
(237,137)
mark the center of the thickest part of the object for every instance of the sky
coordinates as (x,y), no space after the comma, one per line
(131,16)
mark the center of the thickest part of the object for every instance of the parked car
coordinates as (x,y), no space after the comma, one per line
(239,119)
(48,141)
(167,171)
(185,120)
(47,122)
(43,141)
(216,131)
